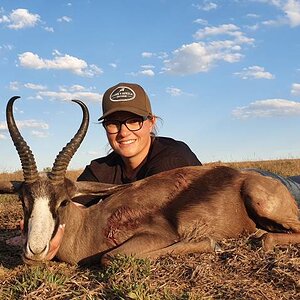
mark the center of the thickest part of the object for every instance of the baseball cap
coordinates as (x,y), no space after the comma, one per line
(129,97)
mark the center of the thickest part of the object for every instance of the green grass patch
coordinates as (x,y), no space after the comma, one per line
(35,281)
(127,278)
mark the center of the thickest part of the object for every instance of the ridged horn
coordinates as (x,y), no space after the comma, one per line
(28,163)
(62,160)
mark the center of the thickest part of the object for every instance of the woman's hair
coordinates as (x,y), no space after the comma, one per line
(155,126)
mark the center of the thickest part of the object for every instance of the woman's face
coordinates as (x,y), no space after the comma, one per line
(130,144)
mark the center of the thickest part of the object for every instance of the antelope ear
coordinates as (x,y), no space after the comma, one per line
(10,187)
(89,188)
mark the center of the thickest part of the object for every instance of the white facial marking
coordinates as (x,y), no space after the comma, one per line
(40,227)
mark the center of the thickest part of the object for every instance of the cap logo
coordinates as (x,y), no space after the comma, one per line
(122,93)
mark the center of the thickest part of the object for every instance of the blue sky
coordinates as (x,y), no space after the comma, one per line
(224,76)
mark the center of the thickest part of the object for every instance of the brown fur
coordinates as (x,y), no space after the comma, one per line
(179,211)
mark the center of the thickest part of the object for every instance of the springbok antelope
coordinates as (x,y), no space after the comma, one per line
(180,211)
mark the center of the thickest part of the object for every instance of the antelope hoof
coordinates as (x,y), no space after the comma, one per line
(268,242)
(106,260)
(217,248)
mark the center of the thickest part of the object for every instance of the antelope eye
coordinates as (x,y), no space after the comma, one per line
(64,203)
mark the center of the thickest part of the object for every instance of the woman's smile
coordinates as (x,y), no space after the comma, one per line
(126,142)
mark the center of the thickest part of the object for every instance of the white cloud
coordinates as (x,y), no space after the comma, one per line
(14,85)
(251,15)
(27,124)
(19,111)
(295,89)
(148,67)
(77,88)
(200,21)
(64,93)
(147,54)
(113,65)
(34,86)
(229,29)
(290,12)
(255,72)
(162,55)
(64,19)
(4,19)
(174,91)
(148,72)
(20,18)
(55,52)
(159,55)
(273,22)
(40,125)
(59,62)
(189,59)
(6,47)
(39,134)
(268,108)
(32,124)
(207,5)
(252,27)
(202,56)
(49,29)
(69,93)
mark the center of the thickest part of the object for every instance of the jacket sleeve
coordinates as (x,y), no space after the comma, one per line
(87,175)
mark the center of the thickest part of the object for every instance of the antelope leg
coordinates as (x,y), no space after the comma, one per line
(270,240)
(182,247)
(270,204)
(140,247)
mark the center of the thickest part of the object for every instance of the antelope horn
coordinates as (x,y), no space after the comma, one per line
(63,158)
(29,168)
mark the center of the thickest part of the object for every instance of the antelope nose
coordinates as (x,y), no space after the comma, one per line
(36,250)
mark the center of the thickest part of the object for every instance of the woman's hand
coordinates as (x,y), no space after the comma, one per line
(55,242)
(18,240)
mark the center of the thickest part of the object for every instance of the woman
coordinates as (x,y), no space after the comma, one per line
(137,153)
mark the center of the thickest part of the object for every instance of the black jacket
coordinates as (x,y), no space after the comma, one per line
(165,154)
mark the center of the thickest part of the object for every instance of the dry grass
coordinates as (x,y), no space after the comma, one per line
(241,270)
(284,167)
(18,175)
